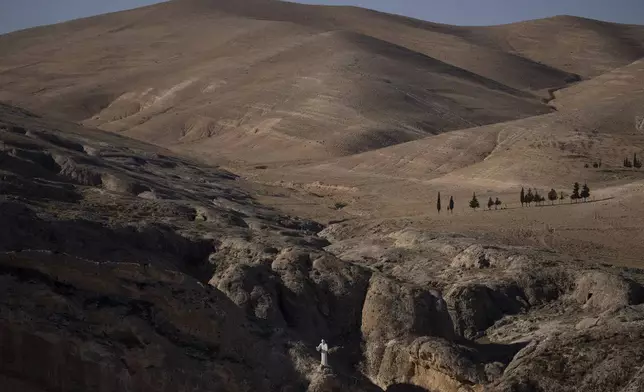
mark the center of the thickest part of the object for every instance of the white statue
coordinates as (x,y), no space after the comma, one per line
(323,348)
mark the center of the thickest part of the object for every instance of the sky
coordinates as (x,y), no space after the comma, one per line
(20,14)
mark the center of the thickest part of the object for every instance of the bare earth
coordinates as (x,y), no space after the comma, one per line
(163,170)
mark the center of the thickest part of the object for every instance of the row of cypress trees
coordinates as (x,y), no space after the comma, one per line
(474,203)
(527,198)
(636,162)
(450,206)
(577,194)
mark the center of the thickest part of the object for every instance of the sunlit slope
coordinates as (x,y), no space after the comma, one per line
(266,81)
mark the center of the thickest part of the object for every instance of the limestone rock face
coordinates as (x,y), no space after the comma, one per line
(475,307)
(393,310)
(438,364)
(604,291)
(308,291)
(502,304)
(254,289)
(603,358)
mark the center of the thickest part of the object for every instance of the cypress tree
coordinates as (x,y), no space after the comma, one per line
(490,203)
(529,197)
(451,204)
(537,197)
(575,192)
(474,203)
(552,196)
(438,203)
(522,197)
(497,203)
(585,192)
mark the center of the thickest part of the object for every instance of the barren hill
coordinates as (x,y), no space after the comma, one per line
(595,123)
(128,261)
(269,81)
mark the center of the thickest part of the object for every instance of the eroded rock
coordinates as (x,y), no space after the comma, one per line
(120,327)
(605,358)
(394,310)
(604,291)
(475,307)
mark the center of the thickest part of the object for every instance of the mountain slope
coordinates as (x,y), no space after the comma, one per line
(266,81)
(582,46)
(337,94)
(594,123)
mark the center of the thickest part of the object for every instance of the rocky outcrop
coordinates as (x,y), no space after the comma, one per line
(310,292)
(152,243)
(437,364)
(604,291)
(393,309)
(603,357)
(81,174)
(69,324)
(114,287)
(478,256)
(476,307)
(393,313)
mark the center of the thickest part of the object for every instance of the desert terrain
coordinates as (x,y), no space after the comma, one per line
(195,193)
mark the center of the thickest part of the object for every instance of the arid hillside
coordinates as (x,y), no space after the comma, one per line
(126,267)
(397,186)
(269,81)
(194,194)
(595,120)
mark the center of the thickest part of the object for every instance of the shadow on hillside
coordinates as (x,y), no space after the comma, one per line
(405,388)
(495,352)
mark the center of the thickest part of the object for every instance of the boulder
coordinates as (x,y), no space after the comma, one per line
(603,291)
(479,256)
